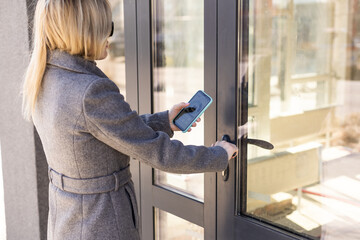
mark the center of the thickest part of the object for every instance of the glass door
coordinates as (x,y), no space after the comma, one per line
(297,88)
(178,72)
(175,61)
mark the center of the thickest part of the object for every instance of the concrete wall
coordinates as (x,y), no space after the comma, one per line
(22,157)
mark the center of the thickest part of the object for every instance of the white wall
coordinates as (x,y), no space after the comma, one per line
(17,136)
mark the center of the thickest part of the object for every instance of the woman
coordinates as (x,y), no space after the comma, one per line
(88,131)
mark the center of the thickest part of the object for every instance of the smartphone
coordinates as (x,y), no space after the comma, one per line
(187,116)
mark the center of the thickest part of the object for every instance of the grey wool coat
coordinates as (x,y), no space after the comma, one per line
(88,133)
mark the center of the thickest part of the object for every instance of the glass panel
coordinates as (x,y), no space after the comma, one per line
(114,64)
(171,227)
(303,97)
(178,74)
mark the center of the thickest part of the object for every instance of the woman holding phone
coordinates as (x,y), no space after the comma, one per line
(88,131)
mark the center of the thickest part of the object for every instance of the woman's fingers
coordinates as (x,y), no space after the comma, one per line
(175,110)
(230,148)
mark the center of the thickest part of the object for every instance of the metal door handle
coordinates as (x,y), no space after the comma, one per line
(257,142)
(227,139)
(260,143)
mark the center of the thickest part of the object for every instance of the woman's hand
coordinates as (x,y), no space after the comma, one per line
(230,148)
(174,111)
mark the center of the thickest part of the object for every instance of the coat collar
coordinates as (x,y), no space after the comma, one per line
(73,63)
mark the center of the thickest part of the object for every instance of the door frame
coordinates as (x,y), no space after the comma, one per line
(233,25)
(225,29)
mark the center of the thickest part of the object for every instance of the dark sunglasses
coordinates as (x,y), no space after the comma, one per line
(112,29)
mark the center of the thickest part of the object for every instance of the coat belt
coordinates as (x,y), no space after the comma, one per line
(95,185)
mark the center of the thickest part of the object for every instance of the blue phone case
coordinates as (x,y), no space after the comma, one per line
(197,116)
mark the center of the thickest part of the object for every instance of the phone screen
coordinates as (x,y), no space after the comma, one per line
(187,116)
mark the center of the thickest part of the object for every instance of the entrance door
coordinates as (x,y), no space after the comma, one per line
(295,87)
(282,73)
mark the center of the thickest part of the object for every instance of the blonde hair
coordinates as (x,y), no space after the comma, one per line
(79,27)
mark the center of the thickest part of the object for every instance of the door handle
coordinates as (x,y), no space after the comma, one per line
(227,139)
(260,143)
(257,142)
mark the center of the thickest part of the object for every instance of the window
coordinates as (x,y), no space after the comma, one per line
(303,98)
(178,60)
(171,227)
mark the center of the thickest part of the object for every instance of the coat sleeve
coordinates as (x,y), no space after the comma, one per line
(158,122)
(109,119)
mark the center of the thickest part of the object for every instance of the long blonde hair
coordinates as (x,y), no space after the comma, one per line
(79,27)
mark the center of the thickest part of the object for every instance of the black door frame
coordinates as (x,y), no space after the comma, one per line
(233,25)
(225,29)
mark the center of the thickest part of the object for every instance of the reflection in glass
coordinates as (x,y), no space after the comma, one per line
(114,64)
(304,84)
(178,61)
(171,227)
